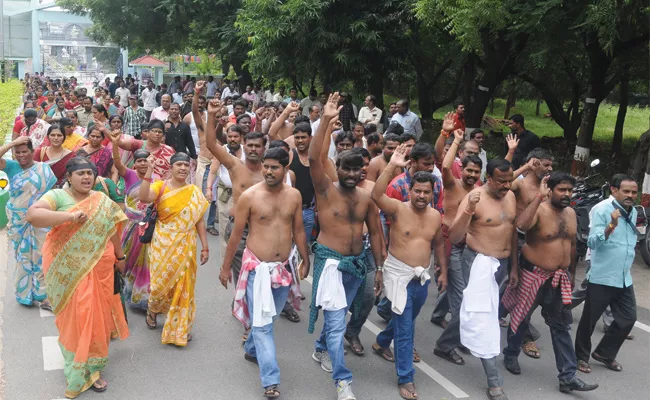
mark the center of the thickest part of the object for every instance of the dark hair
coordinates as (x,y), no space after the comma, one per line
(422,177)
(408,136)
(73,113)
(235,128)
(302,127)
(392,103)
(540,154)
(313,92)
(475,132)
(242,116)
(140,153)
(518,118)
(497,163)
(77,163)
(156,123)
(277,153)
(369,129)
(115,116)
(372,138)
(100,108)
(349,158)
(620,178)
(279,144)
(361,151)
(372,99)
(404,102)
(240,102)
(87,98)
(344,135)
(474,159)
(29,145)
(94,128)
(301,119)
(558,177)
(64,122)
(56,127)
(293,88)
(359,123)
(395,128)
(458,103)
(174,104)
(391,137)
(421,150)
(254,136)
(59,99)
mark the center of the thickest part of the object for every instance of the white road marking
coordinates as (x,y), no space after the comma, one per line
(45,313)
(423,366)
(642,326)
(52,357)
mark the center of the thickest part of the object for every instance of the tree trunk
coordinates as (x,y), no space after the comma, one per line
(510,102)
(492,106)
(617,143)
(424,97)
(539,103)
(243,74)
(376,84)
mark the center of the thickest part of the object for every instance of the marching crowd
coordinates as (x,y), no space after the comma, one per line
(108,196)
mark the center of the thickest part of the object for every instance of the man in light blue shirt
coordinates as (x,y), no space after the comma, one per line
(612,239)
(408,119)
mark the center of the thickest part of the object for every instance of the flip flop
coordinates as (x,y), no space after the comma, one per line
(416,356)
(530,349)
(100,388)
(291,316)
(386,354)
(496,394)
(151,317)
(450,356)
(250,358)
(584,366)
(355,345)
(46,305)
(407,391)
(272,392)
(610,364)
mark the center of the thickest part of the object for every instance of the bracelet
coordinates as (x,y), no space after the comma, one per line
(205,250)
(444,133)
(611,227)
(380,268)
(121,258)
(150,180)
(468,213)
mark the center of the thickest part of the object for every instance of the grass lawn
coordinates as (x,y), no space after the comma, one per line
(10,95)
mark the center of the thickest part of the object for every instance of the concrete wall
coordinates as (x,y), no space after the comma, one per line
(18,35)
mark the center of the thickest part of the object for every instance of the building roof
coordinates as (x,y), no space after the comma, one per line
(148,61)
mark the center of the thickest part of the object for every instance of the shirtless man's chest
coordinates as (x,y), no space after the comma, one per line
(492,226)
(341,217)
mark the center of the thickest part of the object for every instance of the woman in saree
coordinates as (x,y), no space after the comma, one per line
(100,116)
(172,256)
(73,140)
(28,182)
(55,155)
(154,144)
(79,256)
(136,271)
(72,114)
(99,154)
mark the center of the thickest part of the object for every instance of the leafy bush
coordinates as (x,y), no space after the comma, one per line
(10,96)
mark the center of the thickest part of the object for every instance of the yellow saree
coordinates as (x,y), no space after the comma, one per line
(172,260)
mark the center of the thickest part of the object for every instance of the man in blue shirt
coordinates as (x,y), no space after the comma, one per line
(612,239)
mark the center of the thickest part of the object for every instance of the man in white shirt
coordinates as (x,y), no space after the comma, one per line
(228,91)
(279,97)
(408,119)
(211,86)
(124,93)
(479,136)
(370,115)
(307,103)
(268,96)
(148,97)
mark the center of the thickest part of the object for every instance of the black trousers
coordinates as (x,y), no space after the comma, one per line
(623,305)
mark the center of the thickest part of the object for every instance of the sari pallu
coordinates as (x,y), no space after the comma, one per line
(172,260)
(57,166)
(78,260)
(25,189)
(102,158)
(136,272)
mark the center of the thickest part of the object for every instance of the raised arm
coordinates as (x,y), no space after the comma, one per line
(147,195)
(225,158)
(279,123)
(513,142)
(448,179)
(378,194)
(198,118)
(117,160)
(460,225)
(242,213)
(5,148)
(447,129)
(316,166)
(528,218)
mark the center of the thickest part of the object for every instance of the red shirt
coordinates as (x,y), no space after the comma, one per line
(71,106)
(459,123)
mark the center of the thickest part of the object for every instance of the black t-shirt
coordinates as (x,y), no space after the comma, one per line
(303,180)
(180,138)
(527,142)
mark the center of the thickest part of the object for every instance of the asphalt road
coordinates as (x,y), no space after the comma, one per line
(212,366)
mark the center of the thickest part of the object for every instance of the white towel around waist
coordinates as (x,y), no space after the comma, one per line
(479,311)
(264,307)
(331,293)
(397,275)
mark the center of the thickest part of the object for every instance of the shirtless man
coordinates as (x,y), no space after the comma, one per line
(539,164)
(454,192)
(197,118)
(338,256)
(280,127)
(243,174)
(377,164)
(273,212)
(550,249)
(487,224)
(405,272)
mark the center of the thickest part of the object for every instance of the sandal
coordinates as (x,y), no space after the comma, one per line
(151,320)
(250,358)
(271,392)
(610,364)
(385,353)
(584,366)
(46,305)
(407,391)
(291,315)
(530,349)
(244,337)
(450,356)
(355,345)
(496,394)
(189,337)
(416,356)
(98,387)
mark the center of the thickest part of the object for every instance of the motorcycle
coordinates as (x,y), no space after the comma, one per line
(585,196)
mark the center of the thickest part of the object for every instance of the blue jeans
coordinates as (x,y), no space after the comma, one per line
(260,342)
(212,213)
(308,219)
(357,321)
(402,329)
(331,337)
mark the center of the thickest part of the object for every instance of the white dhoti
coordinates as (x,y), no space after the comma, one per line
(330,295)
(397,275)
